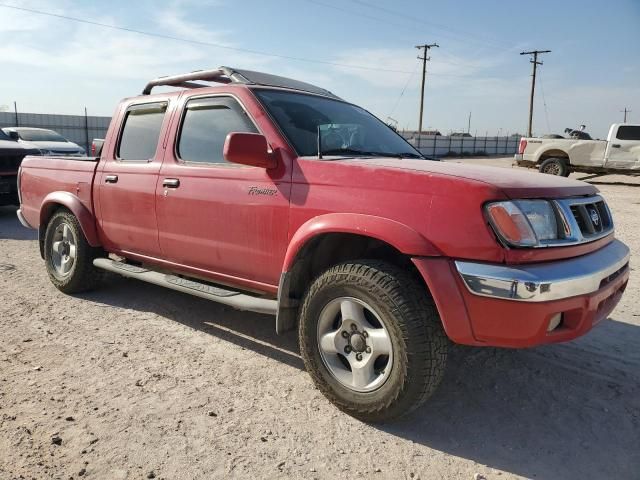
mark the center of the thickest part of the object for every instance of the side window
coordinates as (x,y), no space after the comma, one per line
(628,133)
(205,126)
(141,131)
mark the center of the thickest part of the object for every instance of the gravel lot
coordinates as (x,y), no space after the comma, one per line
(134,381)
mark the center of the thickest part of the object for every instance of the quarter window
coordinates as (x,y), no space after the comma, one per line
(627,132)
(141,131)
(206,124)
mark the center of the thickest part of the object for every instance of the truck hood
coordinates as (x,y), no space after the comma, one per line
(514,183)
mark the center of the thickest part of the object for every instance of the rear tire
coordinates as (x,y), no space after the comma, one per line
(555,166)
(371,339)
(68,256)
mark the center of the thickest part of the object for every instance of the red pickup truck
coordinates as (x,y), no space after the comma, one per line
(275,196)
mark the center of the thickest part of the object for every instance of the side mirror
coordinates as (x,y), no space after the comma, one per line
(248,149)
(14,135)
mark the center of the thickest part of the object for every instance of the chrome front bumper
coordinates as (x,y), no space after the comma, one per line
(546,281)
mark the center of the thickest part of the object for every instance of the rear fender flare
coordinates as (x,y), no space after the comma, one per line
(75,206)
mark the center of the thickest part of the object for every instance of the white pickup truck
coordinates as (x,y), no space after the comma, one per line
(620,153)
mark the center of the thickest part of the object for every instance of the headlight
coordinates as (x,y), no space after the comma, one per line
(524,223)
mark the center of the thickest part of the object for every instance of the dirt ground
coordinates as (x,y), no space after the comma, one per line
(134,381)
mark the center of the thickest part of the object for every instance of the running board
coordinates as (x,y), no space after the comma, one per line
(231,298)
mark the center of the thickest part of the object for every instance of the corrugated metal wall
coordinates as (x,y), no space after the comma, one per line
(72,127)
(441,146)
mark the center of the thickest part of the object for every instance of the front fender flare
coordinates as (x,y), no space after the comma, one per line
(75,206)
(398,235)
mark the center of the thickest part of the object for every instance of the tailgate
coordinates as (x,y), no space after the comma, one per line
(41,177)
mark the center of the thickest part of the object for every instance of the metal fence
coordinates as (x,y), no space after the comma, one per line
(82,130)
(77,128)
(442,146)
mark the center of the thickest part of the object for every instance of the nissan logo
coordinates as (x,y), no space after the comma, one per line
(595,217)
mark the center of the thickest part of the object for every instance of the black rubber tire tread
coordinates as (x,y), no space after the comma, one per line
(420,343)
(84,276)
(562,163)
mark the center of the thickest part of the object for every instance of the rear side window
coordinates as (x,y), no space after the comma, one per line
(141,131)
(205,126)
(628,133)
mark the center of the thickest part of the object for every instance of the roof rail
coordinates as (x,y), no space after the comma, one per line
(227,75)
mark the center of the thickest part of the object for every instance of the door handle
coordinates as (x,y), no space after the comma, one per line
(171,183)
(111,179)
(616,145)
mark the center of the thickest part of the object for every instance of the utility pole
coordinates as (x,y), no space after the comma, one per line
(425,58)
(535,63)
(469,124)
(625,111)
(15,111)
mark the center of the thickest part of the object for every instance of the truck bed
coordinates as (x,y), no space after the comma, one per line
(44,175)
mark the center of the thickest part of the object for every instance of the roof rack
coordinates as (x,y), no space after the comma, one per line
(228,75)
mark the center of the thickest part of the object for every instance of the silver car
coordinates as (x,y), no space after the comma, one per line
(48,141)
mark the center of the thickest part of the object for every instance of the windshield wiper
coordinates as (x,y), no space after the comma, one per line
(348,151)
(369,153)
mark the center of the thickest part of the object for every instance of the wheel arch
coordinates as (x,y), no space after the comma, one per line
(330,239)
(57,200)
(553,153)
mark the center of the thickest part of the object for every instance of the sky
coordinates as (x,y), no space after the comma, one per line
(362,50)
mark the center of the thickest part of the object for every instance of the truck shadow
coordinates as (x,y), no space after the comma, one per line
(559,411)
(10,227)
(251,331)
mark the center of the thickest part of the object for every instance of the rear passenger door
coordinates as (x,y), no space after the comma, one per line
(127,183)
(624,149)
(219,219)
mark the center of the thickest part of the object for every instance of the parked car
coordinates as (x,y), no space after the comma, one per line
(96,147)
(620,153)
(48,141)
(275,196)
(11,155)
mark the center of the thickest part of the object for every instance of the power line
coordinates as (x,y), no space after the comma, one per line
(535,63)
(446,28)
(237,49)
(425,58)
(544,102)
(387,22)
(409,78)
(198,42)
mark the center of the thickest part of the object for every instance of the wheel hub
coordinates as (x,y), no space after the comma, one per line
(355,344)
(63,250)
(358,342)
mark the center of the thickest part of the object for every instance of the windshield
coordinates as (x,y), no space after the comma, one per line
(4,136)
(41,136)
(344,129)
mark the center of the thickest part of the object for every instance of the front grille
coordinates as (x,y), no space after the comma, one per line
(592,218)
(585,219)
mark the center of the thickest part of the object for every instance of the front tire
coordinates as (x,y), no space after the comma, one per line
(555,166)
(371,339)
(68,256)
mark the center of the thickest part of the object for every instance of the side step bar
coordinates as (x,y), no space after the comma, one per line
(234,299)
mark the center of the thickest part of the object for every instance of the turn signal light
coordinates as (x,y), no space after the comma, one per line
(511,224)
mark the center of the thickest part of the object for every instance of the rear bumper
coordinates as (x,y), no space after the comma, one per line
(512,306)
